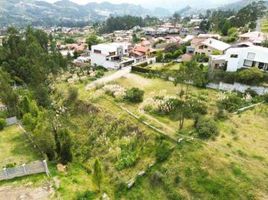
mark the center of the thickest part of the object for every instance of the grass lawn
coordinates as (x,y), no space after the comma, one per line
(15,148)
(162,66)
(264,25)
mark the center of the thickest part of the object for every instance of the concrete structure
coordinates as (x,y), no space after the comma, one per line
(111,55)
(244,57)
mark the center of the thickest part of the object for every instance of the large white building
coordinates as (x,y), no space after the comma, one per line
(111,55)
(241,57)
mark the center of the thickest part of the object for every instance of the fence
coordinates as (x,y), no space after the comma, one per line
(24,170)
(237,87)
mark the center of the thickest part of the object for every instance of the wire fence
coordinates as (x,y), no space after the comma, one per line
(24,170)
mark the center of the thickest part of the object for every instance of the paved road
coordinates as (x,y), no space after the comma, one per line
(120,73)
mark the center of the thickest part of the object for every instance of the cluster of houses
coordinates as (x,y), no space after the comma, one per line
(247,52)
(121,51)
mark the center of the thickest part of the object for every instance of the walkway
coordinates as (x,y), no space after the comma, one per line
(120,73)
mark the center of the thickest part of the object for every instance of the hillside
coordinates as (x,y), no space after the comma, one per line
(23,12)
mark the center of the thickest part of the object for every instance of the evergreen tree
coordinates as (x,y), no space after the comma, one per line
(97,174)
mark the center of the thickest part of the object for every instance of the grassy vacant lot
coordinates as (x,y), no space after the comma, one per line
(233,166)
(15,148)
(162,66)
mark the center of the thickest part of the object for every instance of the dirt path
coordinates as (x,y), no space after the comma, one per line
(25,193)
(106,79)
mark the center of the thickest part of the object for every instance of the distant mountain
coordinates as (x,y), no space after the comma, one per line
(239,4)
(38,12)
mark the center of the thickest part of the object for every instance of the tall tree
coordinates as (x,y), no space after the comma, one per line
(97,174)
(92,40)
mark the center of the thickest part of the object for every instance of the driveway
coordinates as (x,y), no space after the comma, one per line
(120,73)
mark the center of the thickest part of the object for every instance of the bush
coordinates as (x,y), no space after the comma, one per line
(128,158)
(251,92)
(163,151)
(87,195)
(156,179)
(232,102)
(134,95)
(265,97)
(72,95)
(252,76)
(201,58)
(2,123)
(206,128)
(221,114)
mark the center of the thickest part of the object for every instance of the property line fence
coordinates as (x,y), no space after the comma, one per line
(24,170)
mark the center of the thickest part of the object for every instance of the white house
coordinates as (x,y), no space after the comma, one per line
(209,45)
(243,57)
(111,55)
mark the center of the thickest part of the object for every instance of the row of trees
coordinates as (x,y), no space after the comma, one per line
(26,59)
(126,22)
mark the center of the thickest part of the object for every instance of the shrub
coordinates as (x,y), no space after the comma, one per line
(134,95)
(87,195)
(231,102)
(251,92)
(2,123)
(201,58)
(221,114)
(128,158)
(250,76)
(156,178)
(115,91)
(163,151)
(72,95)
(160,104)
(265,97)
(206,128)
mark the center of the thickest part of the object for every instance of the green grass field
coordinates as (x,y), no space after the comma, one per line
(15,148)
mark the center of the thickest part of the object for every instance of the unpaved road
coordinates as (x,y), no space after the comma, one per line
(120,73)
(25,193)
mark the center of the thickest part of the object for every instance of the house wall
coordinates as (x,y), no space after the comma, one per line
(207,51)
(233,64)
(100,59)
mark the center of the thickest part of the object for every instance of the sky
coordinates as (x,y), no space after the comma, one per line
(169,4)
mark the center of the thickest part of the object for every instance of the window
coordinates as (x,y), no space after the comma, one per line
(97,51)
(248,63)
(251,56)
(112,53)
(234,56)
